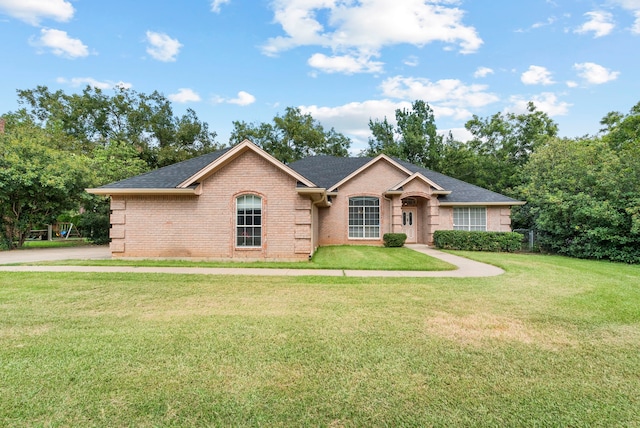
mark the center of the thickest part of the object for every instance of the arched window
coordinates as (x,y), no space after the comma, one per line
(248,221)
(364,217)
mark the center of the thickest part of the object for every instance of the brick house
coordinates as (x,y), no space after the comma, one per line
(242,203)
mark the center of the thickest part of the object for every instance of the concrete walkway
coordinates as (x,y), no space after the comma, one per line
(466,268)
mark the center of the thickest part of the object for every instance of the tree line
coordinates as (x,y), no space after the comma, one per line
(583,194)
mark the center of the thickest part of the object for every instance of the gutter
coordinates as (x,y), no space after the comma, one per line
(106,191)
(481,204)
(318,195)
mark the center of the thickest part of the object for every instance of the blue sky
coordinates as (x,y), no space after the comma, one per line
(343,61)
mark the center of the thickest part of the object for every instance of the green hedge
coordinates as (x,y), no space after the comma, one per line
(477,241)
(394,239)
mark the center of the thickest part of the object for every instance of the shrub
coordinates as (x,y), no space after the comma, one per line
(477,241)
(394,239)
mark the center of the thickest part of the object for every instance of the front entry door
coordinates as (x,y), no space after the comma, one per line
(409,224)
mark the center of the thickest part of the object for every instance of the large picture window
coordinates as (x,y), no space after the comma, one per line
(248,221)
(364,217)
(470,218)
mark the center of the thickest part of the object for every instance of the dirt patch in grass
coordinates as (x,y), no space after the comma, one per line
(619,335)
(478,328)
(29,331)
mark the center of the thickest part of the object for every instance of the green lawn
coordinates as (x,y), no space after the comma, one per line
(552,342)
(351,257)
(56,243)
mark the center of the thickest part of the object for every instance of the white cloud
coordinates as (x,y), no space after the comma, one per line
(600,23)
(352,119)
(594,73)
(344,64)
(216,4)
(411,61)
(549,21)
(90,81)
(572,84)
(34,11)
(367,27)
(540,24)
(185,95)
(482,72)
(459,134)
(634,7)
(242,99)
(60,44)
(445,93)
(537,75)
(162,47)
(547,102)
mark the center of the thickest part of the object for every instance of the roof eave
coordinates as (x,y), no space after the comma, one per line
(482,204)
(106,191)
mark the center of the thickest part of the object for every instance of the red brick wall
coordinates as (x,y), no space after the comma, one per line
(374,181)
(204,226)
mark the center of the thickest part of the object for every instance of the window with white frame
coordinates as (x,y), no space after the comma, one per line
(248,221)
(364,217)
(470,218)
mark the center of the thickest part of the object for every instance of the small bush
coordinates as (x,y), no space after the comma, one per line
(477,241)
(394,239)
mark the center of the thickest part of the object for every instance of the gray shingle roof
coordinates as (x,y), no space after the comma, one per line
(323,171)
(168,177)
(461,191)
(326,171)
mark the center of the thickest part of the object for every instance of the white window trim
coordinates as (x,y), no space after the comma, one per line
(364,226)
(244,247)
(468,226)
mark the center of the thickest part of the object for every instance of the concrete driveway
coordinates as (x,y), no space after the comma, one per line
(466,268)
(52,254)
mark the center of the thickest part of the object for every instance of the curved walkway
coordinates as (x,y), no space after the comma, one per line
(466,268)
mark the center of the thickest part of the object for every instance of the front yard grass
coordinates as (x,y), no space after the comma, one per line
(552,342)
(347,257)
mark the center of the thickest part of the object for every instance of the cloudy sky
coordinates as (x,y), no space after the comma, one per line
(343,61)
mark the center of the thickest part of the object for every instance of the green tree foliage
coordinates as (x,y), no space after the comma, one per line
(501,146)
(146,122)
(292,136)
(415,138)
(582,202)
(37,180)
(117,161)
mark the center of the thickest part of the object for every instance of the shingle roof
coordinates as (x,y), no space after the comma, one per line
(168,177)
(326,171)
(461,191)
(323,171)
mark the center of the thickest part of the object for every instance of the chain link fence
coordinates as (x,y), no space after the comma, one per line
(529,239)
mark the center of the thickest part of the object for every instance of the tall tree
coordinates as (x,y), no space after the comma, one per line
(292,136)
(414,139)
(582,201)
(37,181)
(146,122)
(503,144)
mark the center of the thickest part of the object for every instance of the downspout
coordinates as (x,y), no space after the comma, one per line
(318,197)
(390,213)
